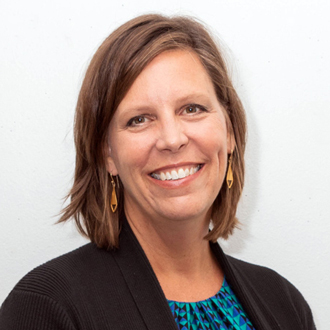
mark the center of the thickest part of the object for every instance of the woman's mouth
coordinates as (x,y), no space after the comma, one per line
(177,174)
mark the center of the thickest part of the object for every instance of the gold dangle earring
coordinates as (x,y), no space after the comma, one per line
(230,178)
(114,202)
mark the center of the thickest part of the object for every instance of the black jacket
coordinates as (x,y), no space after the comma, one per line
(95,289)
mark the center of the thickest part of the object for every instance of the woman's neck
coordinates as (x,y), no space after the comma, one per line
(180,257)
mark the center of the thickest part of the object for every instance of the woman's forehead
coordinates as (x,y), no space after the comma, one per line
(176,75)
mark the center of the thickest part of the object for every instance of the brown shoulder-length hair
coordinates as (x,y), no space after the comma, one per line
(112,71)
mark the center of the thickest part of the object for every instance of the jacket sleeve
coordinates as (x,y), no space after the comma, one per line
(302,308)
(33,311)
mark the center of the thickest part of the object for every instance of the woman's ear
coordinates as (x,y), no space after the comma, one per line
(231,143)
(110,163)
(111,167)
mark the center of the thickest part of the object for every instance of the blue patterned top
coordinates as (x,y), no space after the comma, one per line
(220,312)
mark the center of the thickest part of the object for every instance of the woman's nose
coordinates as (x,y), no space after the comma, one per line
(172,136)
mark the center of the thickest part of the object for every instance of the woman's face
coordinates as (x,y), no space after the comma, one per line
(169,141)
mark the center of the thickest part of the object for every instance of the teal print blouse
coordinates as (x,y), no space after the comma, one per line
(220,312)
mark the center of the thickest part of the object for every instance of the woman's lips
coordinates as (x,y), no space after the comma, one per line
(176,174)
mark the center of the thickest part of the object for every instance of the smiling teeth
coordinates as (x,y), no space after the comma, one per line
(176,175)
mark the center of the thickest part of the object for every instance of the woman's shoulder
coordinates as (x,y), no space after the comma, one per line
(268,288)
(260,275)
(248,272)
(67,271)
(263,291)
(65,291)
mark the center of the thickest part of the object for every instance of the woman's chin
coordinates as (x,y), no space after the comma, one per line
(179,212)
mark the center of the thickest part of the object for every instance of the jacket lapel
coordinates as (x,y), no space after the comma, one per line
(142,282)
(258,313)
(150,299)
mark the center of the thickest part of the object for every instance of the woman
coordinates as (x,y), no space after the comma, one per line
(160,139)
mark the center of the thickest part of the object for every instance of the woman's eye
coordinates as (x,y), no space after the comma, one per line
(138,120)
(194,108)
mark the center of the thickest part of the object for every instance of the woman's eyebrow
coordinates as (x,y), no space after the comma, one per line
(192,97)
(189,98)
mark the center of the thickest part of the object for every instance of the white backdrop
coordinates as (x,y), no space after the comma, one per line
(279,54)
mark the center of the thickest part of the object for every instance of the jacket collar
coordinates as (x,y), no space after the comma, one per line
(259,314)
(142,282)
(150,299)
